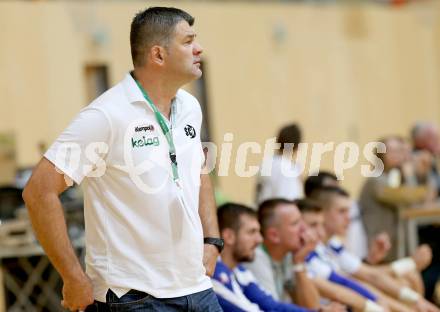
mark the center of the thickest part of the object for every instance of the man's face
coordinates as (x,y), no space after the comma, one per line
(315,223)
(337,215)
(395,155)
(183,54)
(289,226)
(248,237)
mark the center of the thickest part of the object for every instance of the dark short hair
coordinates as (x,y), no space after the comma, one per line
(324,195)
(317,181)
(229,215)
(289,134)
(307,205)
(266,211)
(154,25)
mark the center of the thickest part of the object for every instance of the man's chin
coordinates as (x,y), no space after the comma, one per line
(194,76)
(344,232)
(198,74)
(247,258)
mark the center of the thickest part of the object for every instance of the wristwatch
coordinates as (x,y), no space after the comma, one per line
(217,242)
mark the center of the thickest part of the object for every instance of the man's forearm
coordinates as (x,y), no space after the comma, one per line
(207,208)
(305,293)
(48,222)
(340,294)
(381,281)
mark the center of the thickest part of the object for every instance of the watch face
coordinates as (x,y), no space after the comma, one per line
(219,243)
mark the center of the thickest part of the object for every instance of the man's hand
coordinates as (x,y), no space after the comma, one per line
(210,254)
(379,248)
(422,257)
(309,241)
(424,305)
(333,307)
(384,305)
(77,293)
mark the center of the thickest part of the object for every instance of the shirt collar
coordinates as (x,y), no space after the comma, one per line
(134,94)
(131,89)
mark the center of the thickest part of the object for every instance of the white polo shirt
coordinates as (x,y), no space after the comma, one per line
(143,232)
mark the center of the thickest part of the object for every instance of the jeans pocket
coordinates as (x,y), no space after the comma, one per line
(131,298)
(207,301)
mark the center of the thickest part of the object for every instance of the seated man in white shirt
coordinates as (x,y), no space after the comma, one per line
(336,204)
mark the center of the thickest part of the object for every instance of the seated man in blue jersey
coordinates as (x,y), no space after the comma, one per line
(236,288)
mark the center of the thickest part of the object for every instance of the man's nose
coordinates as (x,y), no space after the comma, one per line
(302,226)
(198,49)
(259,238)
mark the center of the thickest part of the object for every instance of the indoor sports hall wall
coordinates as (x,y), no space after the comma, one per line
(345,73)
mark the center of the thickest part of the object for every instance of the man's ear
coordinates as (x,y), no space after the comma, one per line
(272,235)
(157,54)
(228,236)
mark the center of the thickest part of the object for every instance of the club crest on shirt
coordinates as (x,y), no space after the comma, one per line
(190,131)
(224,279)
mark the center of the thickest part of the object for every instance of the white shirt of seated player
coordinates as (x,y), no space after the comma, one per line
(341,257)
(356,241)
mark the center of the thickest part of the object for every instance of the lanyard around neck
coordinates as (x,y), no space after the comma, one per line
(166,131)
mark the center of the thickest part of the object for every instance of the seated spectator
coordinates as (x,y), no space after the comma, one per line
(336,204)
(283,179)
(279,272)
(235,286)
(426,144)
(425,137)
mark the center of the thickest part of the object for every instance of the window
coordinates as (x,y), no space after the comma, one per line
(97,81)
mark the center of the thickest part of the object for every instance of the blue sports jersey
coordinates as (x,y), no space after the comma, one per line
(238,291)
(318,265)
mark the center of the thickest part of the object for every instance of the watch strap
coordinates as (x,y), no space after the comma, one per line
(217,242)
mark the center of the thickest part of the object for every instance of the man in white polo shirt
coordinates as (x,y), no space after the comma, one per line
(151,229)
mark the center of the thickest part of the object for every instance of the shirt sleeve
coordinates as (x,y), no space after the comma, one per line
(346,260)
(316,267)
(80,150)
(351,284)
(228,305)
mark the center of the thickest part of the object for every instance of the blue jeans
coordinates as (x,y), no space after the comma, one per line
(136,301)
